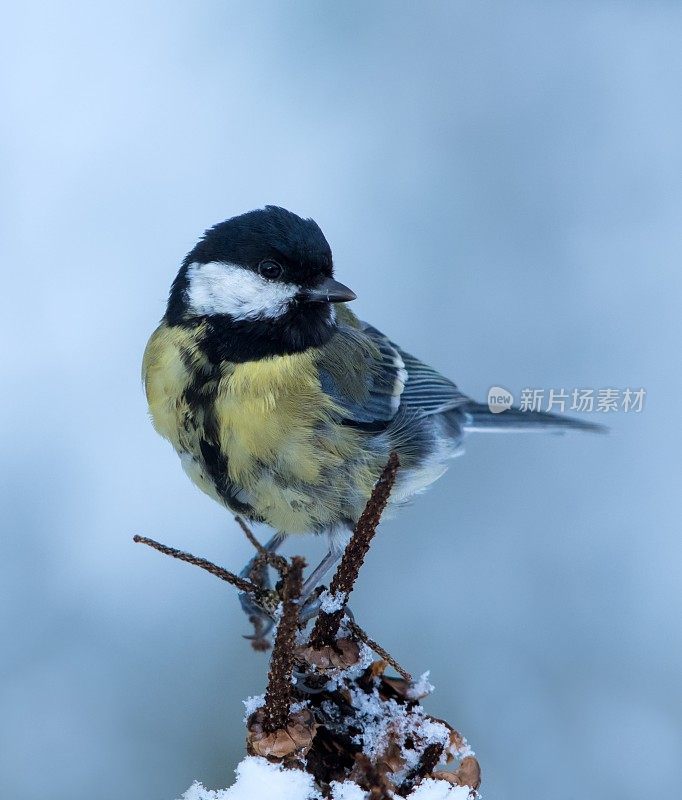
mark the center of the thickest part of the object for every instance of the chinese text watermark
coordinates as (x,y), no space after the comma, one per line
(603,401)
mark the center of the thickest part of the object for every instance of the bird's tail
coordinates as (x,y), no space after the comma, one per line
(479,417)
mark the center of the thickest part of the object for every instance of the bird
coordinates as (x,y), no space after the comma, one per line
(281,403)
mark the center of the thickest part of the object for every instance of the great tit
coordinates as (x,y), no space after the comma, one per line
(280,402)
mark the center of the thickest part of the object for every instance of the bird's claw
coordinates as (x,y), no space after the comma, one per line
(311,606)
(259,606)
(260,609)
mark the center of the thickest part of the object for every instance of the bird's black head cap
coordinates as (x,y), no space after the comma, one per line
(262,284)
(270,232)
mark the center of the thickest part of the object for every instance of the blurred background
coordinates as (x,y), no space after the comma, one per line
(501,184)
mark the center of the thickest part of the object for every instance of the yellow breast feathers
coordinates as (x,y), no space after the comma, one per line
(269,420)
(273,412)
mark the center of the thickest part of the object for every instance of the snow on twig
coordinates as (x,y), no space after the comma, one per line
(332,725)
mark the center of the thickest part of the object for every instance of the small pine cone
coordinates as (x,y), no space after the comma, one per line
(467,774)
(342,654)
(295,739)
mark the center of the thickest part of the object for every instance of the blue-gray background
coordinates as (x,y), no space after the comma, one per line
(501,184)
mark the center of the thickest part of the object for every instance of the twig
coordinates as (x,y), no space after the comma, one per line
(278,692)
(241,583)
(264,558)
(317,724)
(273,559)
(379,650)
(327,625)
(250,535)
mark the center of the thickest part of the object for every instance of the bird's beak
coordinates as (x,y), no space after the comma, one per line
(329,291)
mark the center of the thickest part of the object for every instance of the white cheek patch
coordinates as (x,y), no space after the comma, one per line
(218,288)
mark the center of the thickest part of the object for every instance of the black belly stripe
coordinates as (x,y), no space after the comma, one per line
(199,397)
(215,464)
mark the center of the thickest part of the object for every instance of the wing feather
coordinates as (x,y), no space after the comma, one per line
(372,379)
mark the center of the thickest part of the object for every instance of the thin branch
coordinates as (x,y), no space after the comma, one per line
(225,575)
(327,625)
(257,574)
(315,724)
(273,559)
(278,692)
(379,650)
(250,535)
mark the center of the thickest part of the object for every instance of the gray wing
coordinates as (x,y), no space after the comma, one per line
(393,381)
(377,384)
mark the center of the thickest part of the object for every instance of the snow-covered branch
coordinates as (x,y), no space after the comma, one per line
(332,723)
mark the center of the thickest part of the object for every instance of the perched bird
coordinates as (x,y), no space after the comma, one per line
(280,402)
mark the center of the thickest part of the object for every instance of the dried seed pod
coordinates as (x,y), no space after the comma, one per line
(377,668)
(392,759)
(342,654)
(294,739)
(405,690)
(371,777)
(467,774)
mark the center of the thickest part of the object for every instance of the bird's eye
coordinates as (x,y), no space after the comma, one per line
(270,269)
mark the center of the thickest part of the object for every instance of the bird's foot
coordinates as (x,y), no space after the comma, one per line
(260,607)
(312,605)
(261,610)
